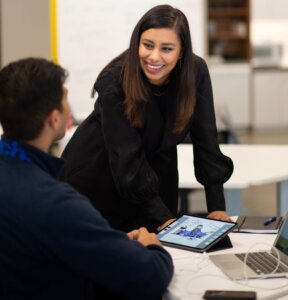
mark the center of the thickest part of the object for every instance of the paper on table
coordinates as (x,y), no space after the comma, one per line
(255,224)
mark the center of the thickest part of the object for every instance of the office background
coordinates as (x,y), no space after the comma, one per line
(89,34)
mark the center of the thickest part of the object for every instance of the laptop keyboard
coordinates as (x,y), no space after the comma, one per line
(262,262)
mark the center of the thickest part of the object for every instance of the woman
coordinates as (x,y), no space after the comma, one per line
(123,157)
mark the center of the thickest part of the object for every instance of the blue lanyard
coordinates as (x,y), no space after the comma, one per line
(12,149)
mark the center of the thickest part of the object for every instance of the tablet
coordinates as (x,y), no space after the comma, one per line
(194,233)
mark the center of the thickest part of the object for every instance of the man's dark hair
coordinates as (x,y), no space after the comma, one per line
(29,90)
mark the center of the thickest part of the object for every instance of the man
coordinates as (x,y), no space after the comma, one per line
(54,244)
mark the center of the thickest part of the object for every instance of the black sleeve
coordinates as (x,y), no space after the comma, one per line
(134,179)
(212,168)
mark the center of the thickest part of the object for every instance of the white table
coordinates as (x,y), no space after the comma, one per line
(254,165)
(194,273)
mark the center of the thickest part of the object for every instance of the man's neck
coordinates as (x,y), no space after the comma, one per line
(42,143)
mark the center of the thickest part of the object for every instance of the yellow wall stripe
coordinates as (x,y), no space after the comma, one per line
(53,30)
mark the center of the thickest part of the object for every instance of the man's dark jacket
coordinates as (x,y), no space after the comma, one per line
(55,245)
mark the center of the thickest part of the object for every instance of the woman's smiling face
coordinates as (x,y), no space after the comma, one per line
(159,52)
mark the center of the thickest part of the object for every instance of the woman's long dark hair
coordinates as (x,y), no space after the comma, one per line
(134,87)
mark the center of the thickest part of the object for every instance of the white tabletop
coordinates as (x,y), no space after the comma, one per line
(195,273)
(253,165)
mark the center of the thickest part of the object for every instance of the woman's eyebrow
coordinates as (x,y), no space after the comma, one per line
(162,44)
(168,44)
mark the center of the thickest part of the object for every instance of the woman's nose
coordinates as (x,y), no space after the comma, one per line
(154,55)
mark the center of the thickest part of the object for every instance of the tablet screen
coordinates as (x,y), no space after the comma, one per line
(194,233)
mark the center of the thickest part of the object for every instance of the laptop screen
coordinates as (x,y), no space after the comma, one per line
(282,240)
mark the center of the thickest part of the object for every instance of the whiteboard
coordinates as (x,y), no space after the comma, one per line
(92,32)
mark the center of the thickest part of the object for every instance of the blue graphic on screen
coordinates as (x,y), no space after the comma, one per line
(194,232)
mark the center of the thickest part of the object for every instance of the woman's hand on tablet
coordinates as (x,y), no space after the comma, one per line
(219,215)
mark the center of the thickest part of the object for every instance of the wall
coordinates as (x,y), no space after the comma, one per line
(25,29)
(92,33)
(270,98)
(231,88)
(269,23)
(257,99)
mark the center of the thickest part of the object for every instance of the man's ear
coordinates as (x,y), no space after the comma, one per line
(53,119)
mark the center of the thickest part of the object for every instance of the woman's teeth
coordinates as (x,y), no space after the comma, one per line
(155,67)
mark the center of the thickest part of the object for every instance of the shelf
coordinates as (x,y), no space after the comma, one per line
(227,36)
(229,29)
(235,12)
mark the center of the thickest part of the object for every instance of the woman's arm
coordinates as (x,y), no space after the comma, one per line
(212,168)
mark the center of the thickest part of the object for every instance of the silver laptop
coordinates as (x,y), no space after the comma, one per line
(258,264)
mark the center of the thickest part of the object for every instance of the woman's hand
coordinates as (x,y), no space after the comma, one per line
(219,215)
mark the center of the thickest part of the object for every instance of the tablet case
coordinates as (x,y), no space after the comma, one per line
(225,243)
